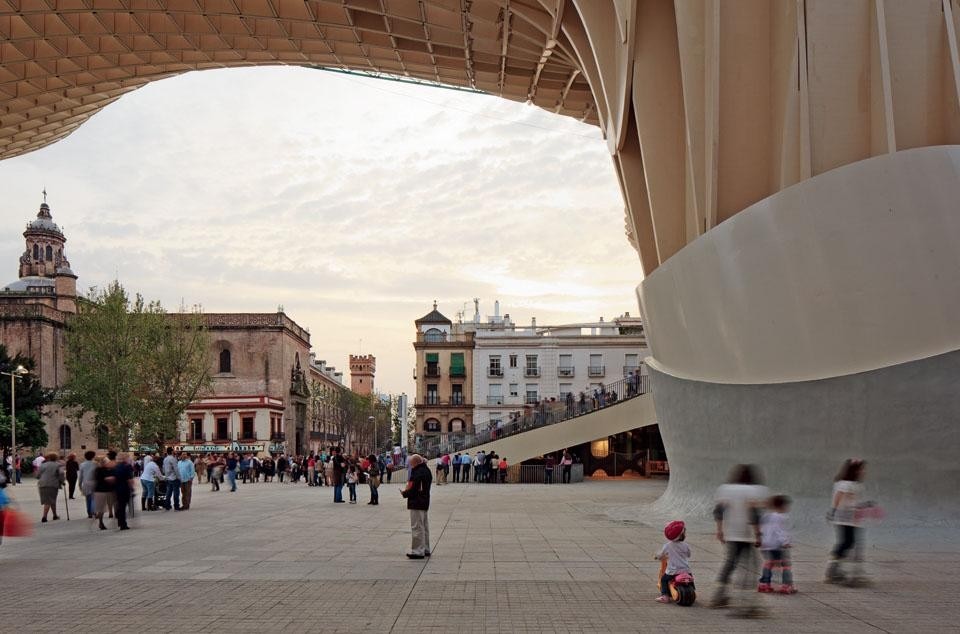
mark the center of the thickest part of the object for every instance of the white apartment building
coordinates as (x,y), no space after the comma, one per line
(516,365)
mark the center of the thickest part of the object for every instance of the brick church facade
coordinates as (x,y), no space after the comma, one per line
(261,364)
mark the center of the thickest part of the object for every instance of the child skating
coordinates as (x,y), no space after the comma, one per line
(775,546)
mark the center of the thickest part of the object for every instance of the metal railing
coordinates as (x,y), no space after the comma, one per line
(596,370)
(494,400)
(570,371)
(492,371)
(457,399)
(532,416)
(432,398)
(432,371)
(530,372)
(628,369)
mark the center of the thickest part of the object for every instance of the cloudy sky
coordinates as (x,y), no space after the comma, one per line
(351,202)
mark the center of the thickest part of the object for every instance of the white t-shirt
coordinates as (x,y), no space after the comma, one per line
(150,472)
(774,531)
(739,500)
(846,513)
(679,557)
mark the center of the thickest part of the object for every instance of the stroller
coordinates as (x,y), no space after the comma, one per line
(160,494)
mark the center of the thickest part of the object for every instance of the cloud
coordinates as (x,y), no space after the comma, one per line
(352,202)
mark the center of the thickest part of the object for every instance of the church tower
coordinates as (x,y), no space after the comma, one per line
(44,265)
(362,369)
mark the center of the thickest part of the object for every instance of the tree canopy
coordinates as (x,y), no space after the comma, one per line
(30,400)
(133,365)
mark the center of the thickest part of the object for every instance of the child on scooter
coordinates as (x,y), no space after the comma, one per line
(775,546)
(676,552)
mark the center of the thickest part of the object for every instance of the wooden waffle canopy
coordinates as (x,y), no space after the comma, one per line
(61,61)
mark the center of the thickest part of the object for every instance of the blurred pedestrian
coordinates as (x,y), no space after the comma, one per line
(85,478)
(72,468)
(844,514)
(50,478)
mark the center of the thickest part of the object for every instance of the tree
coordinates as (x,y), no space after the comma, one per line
(133,365)
(31,398)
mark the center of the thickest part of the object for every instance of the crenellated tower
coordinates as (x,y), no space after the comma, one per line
(362,369)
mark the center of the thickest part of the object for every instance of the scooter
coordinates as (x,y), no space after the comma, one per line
(682,590)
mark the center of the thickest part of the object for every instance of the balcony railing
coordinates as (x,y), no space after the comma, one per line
(567,372)
(531,400)
(199,437)
(494,400)
(278,436)
(457,399)
(431,399)
(528,372)
(432,371)
(534,415)
(458,372)
(494,371)
(596,370)
(627,369)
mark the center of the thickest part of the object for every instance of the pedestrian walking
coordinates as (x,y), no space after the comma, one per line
(232,463)
(845,515)
(122,489)
(72,468)
(549,464)
(50,478)
(85,480)
(566,463)
(373,479)
(417,494)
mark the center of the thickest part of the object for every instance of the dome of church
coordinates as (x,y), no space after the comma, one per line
(44,221)
(30,283)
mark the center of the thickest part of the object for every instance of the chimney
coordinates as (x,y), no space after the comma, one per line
(496,308)
(533,322)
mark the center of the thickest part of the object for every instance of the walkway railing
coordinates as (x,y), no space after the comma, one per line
(533,417)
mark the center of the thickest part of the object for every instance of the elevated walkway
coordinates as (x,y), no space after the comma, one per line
(622,416)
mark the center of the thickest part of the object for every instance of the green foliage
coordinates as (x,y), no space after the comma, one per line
(133,365)
(31,398)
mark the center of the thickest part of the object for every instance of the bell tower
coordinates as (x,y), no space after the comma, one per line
(44,257)
(362,369)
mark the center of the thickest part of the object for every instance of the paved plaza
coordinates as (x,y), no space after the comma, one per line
(510,558)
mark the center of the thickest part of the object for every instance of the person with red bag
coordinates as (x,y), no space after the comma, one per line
(13,523)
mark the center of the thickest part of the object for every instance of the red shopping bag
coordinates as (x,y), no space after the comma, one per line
(14,523)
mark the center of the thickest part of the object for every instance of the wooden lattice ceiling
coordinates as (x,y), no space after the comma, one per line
(61,61)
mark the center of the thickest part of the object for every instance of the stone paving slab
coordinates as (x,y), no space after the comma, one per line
(514,558)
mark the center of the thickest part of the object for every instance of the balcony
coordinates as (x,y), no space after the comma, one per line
(566,372)
(494,371)
(457,399)
(494,400)
(629,369)
(278,437)
(596,370)
(432,371)
(458,372)
(198,437)
(432,398)
(531,400)
(529,372)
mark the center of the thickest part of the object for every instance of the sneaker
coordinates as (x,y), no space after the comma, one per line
(764,587)
(787,588)
(663,599)
(414,556)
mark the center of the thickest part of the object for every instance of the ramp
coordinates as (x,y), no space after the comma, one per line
(613,419)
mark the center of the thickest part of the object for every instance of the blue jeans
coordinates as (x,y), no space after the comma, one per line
(338,492)
(232,478)
(777,558)
(147,488)
(353,491)
(173,491)
(89,500)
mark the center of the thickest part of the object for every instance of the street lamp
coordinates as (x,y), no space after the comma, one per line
(373,421)
(18,372)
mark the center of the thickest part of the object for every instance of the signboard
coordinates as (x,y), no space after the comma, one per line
(232,446)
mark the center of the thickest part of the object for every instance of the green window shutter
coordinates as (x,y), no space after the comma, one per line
(456,361)
(433,357)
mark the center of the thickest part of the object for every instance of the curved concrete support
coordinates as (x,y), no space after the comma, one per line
(849,271)
(624,416)
(901,420)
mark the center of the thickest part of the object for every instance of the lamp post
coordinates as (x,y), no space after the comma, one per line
(372,420)
(18,372)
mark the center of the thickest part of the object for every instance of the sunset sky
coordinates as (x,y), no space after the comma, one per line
(351,202)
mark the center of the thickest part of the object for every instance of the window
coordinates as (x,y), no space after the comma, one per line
(433,396)
(196,429)
(431,425)
(630,363)
(223,429)
(36,252)
(49,253)
(65,437)
(495,395)
(566,365)
(456,397)
(531,369)
(565,388)
(596,365)
(513,360)
(247,425)
(276,427)
(434,335)
(225,361)
(457,367)
(514,389)
(494,369)
(433,364)
(455,424)
(532,393)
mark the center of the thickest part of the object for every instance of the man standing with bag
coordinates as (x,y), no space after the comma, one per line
(418,503)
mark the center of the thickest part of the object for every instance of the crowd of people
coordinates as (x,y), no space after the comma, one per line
(748,519)
(489,467)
